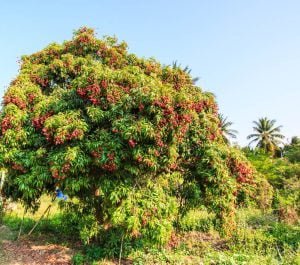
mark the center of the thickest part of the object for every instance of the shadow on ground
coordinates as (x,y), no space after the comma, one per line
(30,252)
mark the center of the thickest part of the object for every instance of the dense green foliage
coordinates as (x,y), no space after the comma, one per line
(292,150)
(284,177)
(134,144)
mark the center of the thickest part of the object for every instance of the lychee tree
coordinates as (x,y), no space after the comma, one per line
(134,142)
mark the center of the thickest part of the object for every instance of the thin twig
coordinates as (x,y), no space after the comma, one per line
(48,209)
(21,225)
(48,214)
(121,249)
(279,253)
(2,180)
(36,224)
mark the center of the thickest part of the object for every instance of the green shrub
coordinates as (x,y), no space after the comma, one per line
(250,236)
(197,220)
(285,235)
(284,177)
(14,222)
(78,259)
(261,220)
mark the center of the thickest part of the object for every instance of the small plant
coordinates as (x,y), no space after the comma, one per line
(197,220)
(285,234)
(78,259)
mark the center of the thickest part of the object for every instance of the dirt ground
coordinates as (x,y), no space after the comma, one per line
(29,252)
(36,251)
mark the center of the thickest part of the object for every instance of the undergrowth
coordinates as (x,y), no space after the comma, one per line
(259,239)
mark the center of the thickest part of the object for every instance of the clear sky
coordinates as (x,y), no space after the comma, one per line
(247,52)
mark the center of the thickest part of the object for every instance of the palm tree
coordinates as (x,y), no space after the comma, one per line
(227,132)
(295,140)
(267,136)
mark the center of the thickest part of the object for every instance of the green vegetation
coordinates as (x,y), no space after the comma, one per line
(126,160)
(292,150)
(133,143)
(284,176)
(258,239)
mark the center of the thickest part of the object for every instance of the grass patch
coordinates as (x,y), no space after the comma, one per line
(53,228)
(197,220)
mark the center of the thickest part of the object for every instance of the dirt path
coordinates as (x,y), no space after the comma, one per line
(29,252)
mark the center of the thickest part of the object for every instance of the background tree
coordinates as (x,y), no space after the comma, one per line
(284,177)
(267,136)
(295,140)
(292,150)
(134,142)
(227,132)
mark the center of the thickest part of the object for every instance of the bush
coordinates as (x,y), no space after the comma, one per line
(252,241)
(78,259)
(197,220)
(284,177)
(285,235)
(250,236)
(260,233)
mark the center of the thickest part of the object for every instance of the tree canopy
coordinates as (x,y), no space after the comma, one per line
(292,150)
(133,143)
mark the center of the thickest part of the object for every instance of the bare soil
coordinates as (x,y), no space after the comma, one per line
(31,252)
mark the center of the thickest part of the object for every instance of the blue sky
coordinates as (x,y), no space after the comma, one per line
(246,52)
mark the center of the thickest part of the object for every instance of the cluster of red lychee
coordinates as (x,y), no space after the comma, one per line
(31,97)
(56,174)
(18,167)
(62,173)
(243,172)
(15,100)
(92,92)
(110,165)
(6,124)
(38,122)
(43,82)
(62,137)
(172,119)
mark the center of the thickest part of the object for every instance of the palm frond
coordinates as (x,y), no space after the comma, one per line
(277,129)
(253,135)
(253,141)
